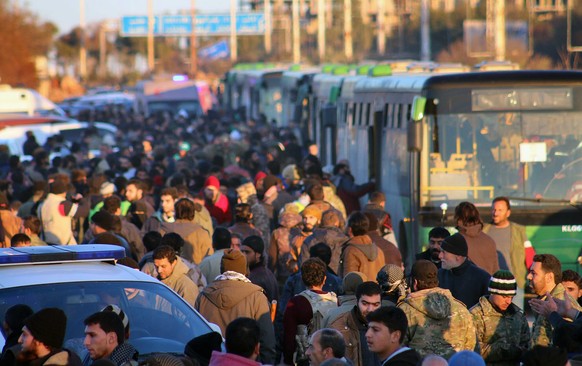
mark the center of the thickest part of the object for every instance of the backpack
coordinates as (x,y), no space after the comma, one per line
(320,306)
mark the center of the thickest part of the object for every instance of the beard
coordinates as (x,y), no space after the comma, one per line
(434,254)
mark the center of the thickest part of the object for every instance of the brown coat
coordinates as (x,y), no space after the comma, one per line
(482,248)
(11,224)
(391,253)
(347,326)
(360,254)
(197,240)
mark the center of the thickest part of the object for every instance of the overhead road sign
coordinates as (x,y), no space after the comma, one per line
(181,25)
(215,51)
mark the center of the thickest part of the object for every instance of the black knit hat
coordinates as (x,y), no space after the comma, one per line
(455,244)
(103,219)
(201,347)
(255,243)
(503,283)
(48,326)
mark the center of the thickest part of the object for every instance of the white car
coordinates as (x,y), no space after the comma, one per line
(83,279)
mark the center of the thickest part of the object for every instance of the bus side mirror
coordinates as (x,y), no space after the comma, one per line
(414,128)
(418,105)
(329,116)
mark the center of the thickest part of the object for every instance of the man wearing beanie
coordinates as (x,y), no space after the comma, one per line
(360,253)
(254,250)
(463,278)
(42,339)
(437,322)
(311,218)
(502,328)
(232,295)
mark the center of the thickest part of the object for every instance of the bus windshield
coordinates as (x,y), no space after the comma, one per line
(524,155)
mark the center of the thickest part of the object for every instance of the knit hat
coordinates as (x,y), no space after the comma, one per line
(503,283)
(258,177)
(389,277)
(255,243)
(269,181)
(233,260)
(58,187)
(290,172)
(124,319)
(466,358)
(245,190)
(48,326)
(351,282)
(455,244)
(312,211)
(15,316)
(103,219)
(426,272)
(107,188)
(201,347)
(212,181)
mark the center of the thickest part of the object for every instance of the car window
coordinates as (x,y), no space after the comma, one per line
(159,320)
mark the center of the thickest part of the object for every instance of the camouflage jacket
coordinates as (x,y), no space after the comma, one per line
(437,323)
(542,331)
(503,336)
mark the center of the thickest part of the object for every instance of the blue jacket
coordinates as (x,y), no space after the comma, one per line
(467,282)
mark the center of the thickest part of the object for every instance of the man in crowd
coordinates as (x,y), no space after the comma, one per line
(129,231)
(253,248)
(387,327)
(325,344)
(311,219)
(32,227)
(437,322)
(232,295)
(435,239)
(360,253)
(502,328)
(353,324)
(463,278)
(210,266)
(140,208)
(242,343)
(165,261)
(105,340)
(511,242)
(42,339)
(572,282)
(168,198)
(216,202)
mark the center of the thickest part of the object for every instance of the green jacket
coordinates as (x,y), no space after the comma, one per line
(516,251)
(503,336)
(437,323)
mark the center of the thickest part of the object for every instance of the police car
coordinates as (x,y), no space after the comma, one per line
(83,279)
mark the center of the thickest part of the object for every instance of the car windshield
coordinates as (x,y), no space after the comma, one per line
(159,320)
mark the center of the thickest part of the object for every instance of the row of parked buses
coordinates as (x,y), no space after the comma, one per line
(434,135)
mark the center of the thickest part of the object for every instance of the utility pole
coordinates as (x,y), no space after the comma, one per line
(268,27)
(150,36)
(193,44)
(348,45)
(83,49)
(296,34)
(424,30)
(381,41)
(233,45)
(500,30)
(321,29)
(102,50)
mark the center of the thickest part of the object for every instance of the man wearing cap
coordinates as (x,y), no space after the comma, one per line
(311,217)
(216,202)
(502,328)
(360,253)
(353,324)
(42,339)
(57,213)
(437,322)
(463,278)
(254,250)
(165,261)
(232,295)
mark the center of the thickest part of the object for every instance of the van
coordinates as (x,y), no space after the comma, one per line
(26,101)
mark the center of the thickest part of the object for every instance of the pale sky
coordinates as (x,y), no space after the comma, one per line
(65,13)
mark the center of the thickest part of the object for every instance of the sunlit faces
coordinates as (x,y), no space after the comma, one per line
(572,289)
(27,341)
(381,340)
(434,244)
(538,279)
(98,343)
(309,222)
(367,304)
(167,204)
(450,260)
(164,267)
(132,193)
(315,353)
(500,214)
(500,302)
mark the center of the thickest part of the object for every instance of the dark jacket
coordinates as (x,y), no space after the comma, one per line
(262,276)
(61,357)
(467,282)
(405,358)
(332,236)
(426,255)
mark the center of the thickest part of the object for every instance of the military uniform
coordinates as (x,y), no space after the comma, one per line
(437,323)
(542,331)
(502,336)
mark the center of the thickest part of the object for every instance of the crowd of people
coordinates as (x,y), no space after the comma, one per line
(243,222)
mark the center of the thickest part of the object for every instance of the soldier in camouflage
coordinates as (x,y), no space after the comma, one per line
(502,329)
(437,322)
(545,276)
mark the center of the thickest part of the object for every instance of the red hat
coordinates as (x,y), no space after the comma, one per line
(212,181)
(259,176)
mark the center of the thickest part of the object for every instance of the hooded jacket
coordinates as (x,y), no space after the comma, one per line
(332,236)
(181,283)
(232,296)
(437,323)
(482,248)
(360,254)
(502,336)
(197,240)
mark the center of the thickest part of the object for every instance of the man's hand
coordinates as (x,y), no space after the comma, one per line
(544,308)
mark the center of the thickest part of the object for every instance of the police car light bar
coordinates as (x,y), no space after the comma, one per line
(60,253)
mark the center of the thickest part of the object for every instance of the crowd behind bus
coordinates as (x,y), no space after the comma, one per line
(244,222)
